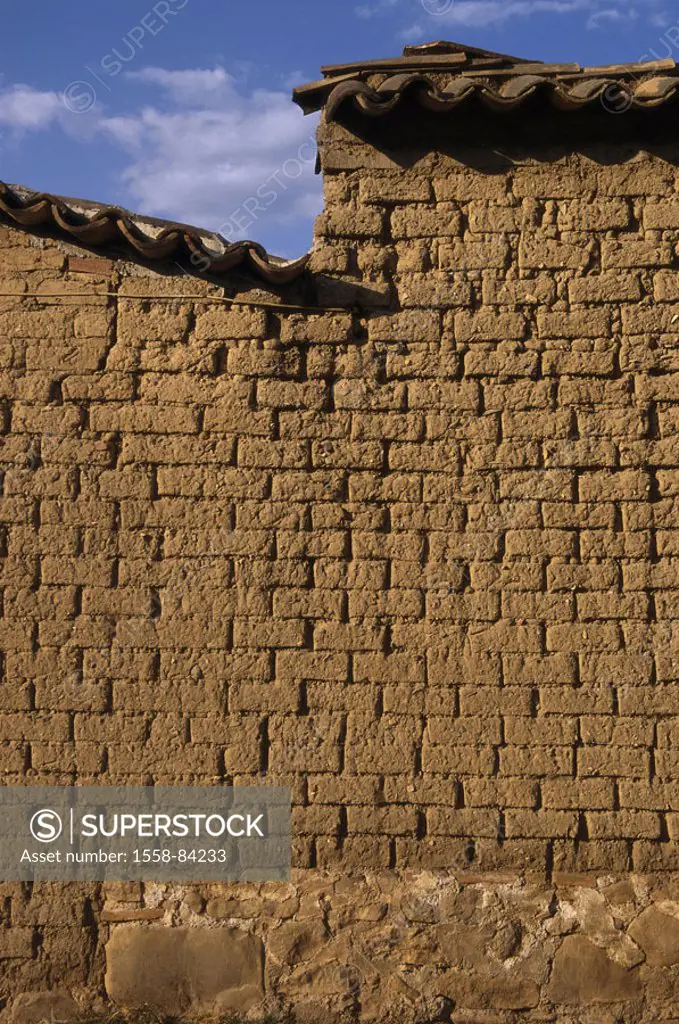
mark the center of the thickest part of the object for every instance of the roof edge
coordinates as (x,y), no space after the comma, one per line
(100,226)
(444,75)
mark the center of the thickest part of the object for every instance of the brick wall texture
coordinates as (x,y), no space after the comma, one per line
(417,560)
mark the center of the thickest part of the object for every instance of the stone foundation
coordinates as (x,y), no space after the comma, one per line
(406,946)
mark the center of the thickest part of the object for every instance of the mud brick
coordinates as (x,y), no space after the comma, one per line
(309,744)
(582,324)
(144,419)
(548,824)
(633,253)
(540,253)
(446,821)
(425,221)
(599,215)
(610,287)
(623,762)
(591,794)
(473,254)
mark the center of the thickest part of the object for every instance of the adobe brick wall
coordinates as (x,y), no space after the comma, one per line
(417,560)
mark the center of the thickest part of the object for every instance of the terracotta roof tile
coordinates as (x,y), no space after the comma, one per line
(443,76)
(104,226)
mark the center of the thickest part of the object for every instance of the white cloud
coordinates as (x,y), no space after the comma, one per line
(200,150)
(481,13)
(610,15)
(22,107)
(293,79)
(375,8)
(205,149)
(491,13)
(184,86)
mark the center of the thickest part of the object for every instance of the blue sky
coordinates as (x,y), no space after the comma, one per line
(181,108)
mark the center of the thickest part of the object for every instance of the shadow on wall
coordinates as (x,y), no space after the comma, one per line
(535,131)
(311,291)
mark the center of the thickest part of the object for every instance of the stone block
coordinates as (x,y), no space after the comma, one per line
(176,971)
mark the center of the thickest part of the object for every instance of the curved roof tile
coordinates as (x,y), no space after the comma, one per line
(443,76)
(101,226)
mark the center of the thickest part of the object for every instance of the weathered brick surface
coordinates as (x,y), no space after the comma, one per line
(420,561)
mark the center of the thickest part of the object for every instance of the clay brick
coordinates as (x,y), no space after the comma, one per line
(537,762)
(493,218)
(594,393)
(534,291)
(437,289)
(376,745)
(501,363)
(662,214)
(623,824)
(368,395)
(463,761)
(501,793)
(420,221)
(17,943)
(623,762)
(666,286)
(583,637)
(621,732)
(544,544)
(319,485)
(645,319)
(589,324)
(439,457)
(333,636)
(610,287)
(463,731)
(463,187)
(538,824)
(221,323)
(391,821)
(538,183)
(635,178)
(537,253)
(382,668)
(448,394)
(392,188)
(540,732)
(274,394)
(411,325)
(579,364)
(599,215)
(351,222)
(542,424)
(473,254)
(634,253)
(485,326)
(35,727)
(144,419)
(328,329)
(572,701)
(626,485)
(446,821)
(569,794)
